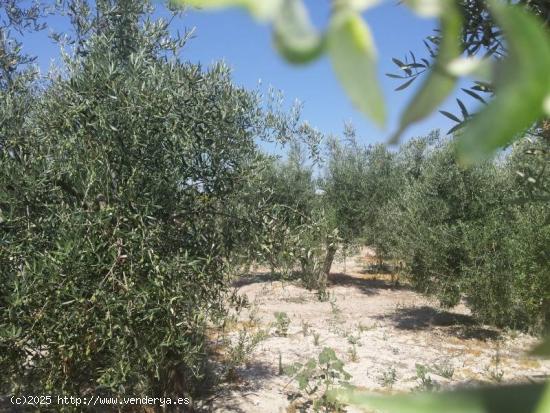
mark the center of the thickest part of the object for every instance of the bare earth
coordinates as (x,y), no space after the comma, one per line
(392,328)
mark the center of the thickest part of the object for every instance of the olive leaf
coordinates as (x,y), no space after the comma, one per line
(521,88)
(353,55)
(295,37)
(439,83)
(262,10)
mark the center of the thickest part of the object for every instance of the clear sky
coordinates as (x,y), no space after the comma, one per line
(245,45)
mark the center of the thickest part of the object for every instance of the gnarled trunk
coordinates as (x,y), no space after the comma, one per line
(327,265)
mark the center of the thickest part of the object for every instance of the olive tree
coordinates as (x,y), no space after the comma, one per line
(113,213)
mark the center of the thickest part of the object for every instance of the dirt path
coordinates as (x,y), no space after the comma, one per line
(379,331)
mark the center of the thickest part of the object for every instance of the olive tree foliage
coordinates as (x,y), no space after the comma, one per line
(519,83)
(16,70)
(114,217)
(509,279)
(481,37)
(430,217)
(294,235)
(480,236)
(358,182)
(312,218)
(17,19)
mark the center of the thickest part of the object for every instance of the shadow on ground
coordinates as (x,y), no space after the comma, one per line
(425,317)
(367,286)
(258,277)
(250,378)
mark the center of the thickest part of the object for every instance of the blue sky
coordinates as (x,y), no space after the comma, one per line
(245,45)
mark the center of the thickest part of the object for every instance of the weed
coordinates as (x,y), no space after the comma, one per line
(354,340)
(336,321)
(323,295)
(362,328)
(253,317)
(238,353)
(316,337)
(353,356)
(281,324)
(306,328)
(317,377)
(301,299)
(494,371)
(336,311)
(444,369)
(425,382)
(389,377)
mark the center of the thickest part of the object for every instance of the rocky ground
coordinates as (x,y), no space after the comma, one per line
(383,334)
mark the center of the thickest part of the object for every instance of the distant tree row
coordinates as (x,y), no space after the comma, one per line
(480,233)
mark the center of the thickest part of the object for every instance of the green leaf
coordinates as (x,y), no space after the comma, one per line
(353,57)
(295,37)
(359,5)
(482,69)
(327,355)
(474,95)
(543,349)
(427,8)
(523,84)
(439,83)
(405,85)
(463,109)
(518,398)
(544,404)
(450,115)
(262,10)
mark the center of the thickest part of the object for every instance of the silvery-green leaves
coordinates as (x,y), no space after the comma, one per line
(521,87)
(439,82)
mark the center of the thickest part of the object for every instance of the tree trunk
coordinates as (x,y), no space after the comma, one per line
(327,265)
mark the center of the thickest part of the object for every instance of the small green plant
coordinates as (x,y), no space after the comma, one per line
(494,371)
(281,324)
(336,321)
(353,356)
(425,382)
(323,296)
(253,318)
(444,369)
(353,340)
(306,328)
(239,352)
(316,337)
(300,299)
(281,369)
(388,377)
(316,378)
(362,328)
(336,311)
